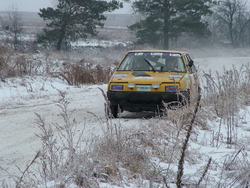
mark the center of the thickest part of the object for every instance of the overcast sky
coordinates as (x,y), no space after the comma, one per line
(35,5)
(25,5)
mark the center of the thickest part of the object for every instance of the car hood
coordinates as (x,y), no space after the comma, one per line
(147,77)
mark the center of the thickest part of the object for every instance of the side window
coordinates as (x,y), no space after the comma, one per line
(191,69)
(187,58)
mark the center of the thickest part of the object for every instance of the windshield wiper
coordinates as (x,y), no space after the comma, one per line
(149,64)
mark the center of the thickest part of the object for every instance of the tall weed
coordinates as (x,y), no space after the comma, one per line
(225,94)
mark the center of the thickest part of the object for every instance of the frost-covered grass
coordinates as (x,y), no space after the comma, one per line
(80,147)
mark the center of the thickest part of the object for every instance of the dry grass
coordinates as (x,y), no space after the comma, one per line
(5,69)
(226,94)
(119,155)
(125,155)
(72,70)
(134,155)
(85,73)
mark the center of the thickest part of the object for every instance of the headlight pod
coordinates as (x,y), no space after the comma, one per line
(155,86)
(131,85)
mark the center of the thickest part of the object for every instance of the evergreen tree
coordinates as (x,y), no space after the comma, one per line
(73,19)
(168,19)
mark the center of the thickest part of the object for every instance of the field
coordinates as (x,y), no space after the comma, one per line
(55,131)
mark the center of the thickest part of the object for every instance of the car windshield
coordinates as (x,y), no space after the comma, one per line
(152,61)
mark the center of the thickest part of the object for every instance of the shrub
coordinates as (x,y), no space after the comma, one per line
(85,73)
(5,69)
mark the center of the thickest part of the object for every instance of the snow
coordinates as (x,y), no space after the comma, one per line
(23,98)
(103,43)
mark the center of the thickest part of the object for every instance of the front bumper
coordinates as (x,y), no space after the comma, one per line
(144,101)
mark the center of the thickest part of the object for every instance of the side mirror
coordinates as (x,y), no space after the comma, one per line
(191,63)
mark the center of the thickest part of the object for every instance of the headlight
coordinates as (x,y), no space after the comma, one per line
(131,85)
(116,87)
(155,86)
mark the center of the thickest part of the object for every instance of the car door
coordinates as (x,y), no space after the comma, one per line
(192,77)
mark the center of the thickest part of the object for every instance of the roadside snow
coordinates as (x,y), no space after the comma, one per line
(22,98)
(103,43)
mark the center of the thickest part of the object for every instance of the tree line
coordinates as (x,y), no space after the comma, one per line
(164,23)
(168,22)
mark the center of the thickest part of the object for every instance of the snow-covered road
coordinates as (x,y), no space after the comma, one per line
(18,119)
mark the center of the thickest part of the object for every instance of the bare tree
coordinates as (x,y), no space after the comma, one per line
(233,20)
(14,27)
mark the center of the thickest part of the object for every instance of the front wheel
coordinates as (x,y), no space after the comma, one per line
(113,111)
(186,99)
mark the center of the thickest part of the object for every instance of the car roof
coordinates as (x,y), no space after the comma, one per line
(166,51)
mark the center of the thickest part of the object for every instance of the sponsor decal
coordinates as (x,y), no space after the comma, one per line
(157,53)
(175,76)
(120,75)
(143,77)
(176,55)
(117,87)
(171,88)
(141,53)
(153,54)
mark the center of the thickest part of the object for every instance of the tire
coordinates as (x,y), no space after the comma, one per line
(186,99)
(114,111)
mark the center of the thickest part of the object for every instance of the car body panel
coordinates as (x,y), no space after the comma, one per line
(154,78)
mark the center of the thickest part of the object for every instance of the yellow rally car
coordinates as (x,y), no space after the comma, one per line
(145,80)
